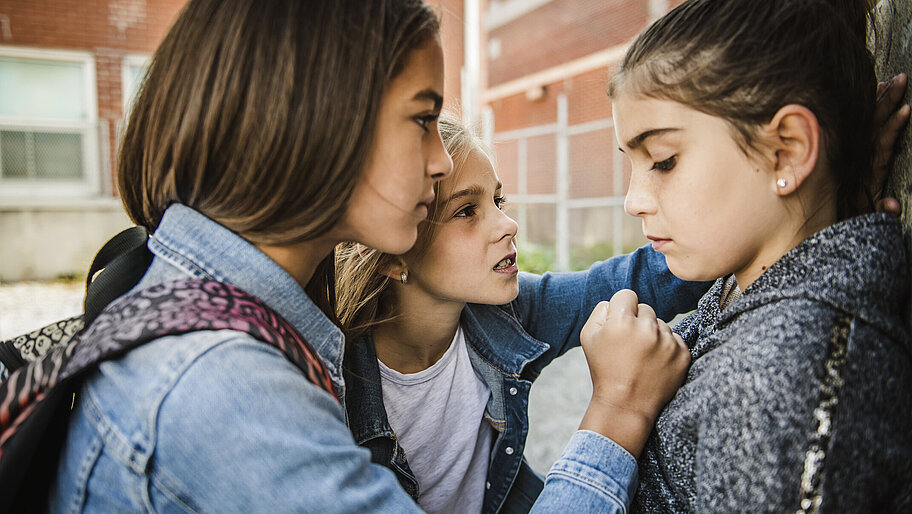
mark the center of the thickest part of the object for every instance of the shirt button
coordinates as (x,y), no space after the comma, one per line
(487,485)
(509,450)
(513,391)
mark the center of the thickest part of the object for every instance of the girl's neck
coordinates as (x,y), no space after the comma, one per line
(420,333)
(794,230)
(299,260)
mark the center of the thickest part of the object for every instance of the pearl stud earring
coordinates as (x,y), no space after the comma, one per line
(781,182)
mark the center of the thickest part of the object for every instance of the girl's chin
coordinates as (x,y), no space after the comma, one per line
(691,275)
(514,292)
(398,245)
(498,298)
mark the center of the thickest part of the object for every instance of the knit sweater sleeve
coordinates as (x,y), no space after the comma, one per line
(756,420)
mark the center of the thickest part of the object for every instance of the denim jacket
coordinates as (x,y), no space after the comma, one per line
(509,346)
(217,421)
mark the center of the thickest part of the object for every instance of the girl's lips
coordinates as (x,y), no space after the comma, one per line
(509,270)
(658,243)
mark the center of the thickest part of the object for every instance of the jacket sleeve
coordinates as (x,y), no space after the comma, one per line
(593,474)
(554,307)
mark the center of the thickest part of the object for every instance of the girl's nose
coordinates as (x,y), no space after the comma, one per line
(639,200)
(508,227)
(439,163)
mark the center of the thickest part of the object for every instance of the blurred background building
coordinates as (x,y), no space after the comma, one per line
(530,73)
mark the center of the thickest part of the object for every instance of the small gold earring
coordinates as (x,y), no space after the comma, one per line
(781,182)
(403,277)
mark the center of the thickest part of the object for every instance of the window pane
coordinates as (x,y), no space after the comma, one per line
(42,89)
(134,78)
(44,155)
(58,155)
(13,153)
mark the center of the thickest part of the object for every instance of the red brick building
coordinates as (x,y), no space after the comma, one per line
(534,72)
(68,69)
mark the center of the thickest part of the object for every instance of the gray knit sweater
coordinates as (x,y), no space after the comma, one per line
(800,391)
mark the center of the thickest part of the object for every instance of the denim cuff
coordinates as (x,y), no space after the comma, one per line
(593,460)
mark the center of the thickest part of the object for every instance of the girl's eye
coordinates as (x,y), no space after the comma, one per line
(665,165)
(425,121)
(465,212)
(500,202)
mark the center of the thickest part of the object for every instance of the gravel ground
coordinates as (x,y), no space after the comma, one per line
(26,306)
(558,398)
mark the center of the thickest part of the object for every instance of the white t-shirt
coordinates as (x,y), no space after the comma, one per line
(438,416)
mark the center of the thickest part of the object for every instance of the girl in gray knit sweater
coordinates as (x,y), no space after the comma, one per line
(745,125)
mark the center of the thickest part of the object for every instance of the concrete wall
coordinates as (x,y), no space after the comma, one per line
(47,242)
(893,49)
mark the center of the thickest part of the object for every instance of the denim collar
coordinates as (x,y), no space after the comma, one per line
(498,337)
(364,409)
(202,248)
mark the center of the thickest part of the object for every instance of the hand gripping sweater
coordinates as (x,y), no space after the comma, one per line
(799,397)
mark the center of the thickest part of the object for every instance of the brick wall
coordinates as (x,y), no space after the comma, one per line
(452,31)
(560,31)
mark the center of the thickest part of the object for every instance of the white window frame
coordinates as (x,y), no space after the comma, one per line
(134,60)
(89,185)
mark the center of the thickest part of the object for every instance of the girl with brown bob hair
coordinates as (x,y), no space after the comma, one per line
(266,133)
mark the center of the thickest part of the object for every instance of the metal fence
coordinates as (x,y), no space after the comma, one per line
(575,202)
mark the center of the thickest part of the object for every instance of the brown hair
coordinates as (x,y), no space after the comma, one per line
(743,60)
(362,289)
(260,113)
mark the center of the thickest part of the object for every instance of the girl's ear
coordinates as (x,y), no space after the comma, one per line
(795,146)
(394,268)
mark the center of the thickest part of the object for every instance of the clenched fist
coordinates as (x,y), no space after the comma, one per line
(636,363)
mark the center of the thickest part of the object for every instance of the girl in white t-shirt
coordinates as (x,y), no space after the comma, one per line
(437,376)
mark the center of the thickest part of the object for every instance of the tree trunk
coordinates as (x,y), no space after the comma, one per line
(892,46)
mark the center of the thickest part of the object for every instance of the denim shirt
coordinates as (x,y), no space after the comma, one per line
(509,346)
(217,421)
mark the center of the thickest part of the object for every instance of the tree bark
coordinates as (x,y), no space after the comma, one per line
(891,42)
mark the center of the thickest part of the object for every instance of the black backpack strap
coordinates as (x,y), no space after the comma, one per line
(10,357)
(117,267)
(35,399)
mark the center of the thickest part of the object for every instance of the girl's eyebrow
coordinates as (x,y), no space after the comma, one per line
(473,190)
(638,141)
(432,95)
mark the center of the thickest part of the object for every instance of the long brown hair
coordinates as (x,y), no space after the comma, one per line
(743,60)
(260,114)
(362,287)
